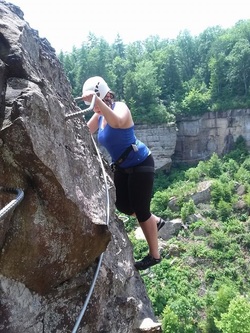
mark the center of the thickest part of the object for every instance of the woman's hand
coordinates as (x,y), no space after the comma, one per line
(88,95)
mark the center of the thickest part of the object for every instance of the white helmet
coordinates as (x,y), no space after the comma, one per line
(97,84)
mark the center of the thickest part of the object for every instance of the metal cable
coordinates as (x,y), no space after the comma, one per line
(80,113)
(19,197)
(73,115)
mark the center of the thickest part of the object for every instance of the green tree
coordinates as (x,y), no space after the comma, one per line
(237,318)
(224,209)
(187,209)
(170,322)
(221,191)
(118,48)
(187,54)
(168,73)
(219,66)
(239,70)
(141,85)
(159,203)
(205,42)
(71,69)
(196,101)
(189,74)
(119,69)
(217,305)
(135,53)
(214,166)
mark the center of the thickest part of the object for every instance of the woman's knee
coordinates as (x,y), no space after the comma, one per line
(143,216)
(124,209)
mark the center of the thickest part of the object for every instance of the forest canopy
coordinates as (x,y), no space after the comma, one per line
(162,78)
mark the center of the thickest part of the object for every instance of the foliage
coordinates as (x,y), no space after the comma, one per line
(214,166)
(237,319)
(239,152)
(221,192)
(196,101)
(160,79)
(195,288)
(170,321)
(180,190)
(187,209)
(217,304)
(130,222)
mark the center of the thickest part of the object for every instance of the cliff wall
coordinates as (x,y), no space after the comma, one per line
(214,132)
(195,138)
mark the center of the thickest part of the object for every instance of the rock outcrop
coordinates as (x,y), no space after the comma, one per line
(198,137)
(195,138)
(161,139)
(51,244)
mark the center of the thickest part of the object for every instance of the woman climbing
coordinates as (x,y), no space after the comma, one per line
(132,162)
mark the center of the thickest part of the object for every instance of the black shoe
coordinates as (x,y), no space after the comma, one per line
(146,262)
(160,224)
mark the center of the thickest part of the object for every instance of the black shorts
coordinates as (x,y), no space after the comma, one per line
(134,190)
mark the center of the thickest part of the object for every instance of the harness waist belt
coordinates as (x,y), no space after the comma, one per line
(142,168)
(125,154)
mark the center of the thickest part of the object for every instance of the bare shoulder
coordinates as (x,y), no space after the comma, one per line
(123,112)
(121,106)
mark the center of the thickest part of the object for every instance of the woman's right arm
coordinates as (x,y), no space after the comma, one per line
(93,123)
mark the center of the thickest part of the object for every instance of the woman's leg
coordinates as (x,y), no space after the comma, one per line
(140,189)
(122,193)
(133,195)
(149,229)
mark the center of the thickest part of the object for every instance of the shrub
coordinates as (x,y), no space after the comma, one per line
(187,209)
(170,322)
(237,318)
(221,191)
(217,305)
(224,210)
(214,166)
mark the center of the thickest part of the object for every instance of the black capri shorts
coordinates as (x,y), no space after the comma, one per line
(134,190)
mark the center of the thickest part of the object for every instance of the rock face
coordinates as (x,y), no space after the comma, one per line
(195,138)
(52,242)
(214,132)
(161,139)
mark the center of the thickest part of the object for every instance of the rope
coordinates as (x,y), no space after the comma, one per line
(19,197)
(72,115)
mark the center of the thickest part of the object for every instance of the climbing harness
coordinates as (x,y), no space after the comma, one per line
(125,154)
(10,206)
(136,169)
(74,115)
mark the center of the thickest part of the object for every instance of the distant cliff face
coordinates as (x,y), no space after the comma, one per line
(195,138)
(214,132)
(161,140)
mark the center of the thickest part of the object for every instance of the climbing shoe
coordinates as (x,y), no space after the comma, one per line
(146,262)
(160,224)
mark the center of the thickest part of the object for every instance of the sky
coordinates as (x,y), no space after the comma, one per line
(68,23)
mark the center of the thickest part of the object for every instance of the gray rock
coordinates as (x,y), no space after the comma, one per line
(52,241)
(170,229)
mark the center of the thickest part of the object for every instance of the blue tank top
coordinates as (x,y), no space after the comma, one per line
(117,140)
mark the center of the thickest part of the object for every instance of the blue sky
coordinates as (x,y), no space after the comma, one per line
(67,24)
